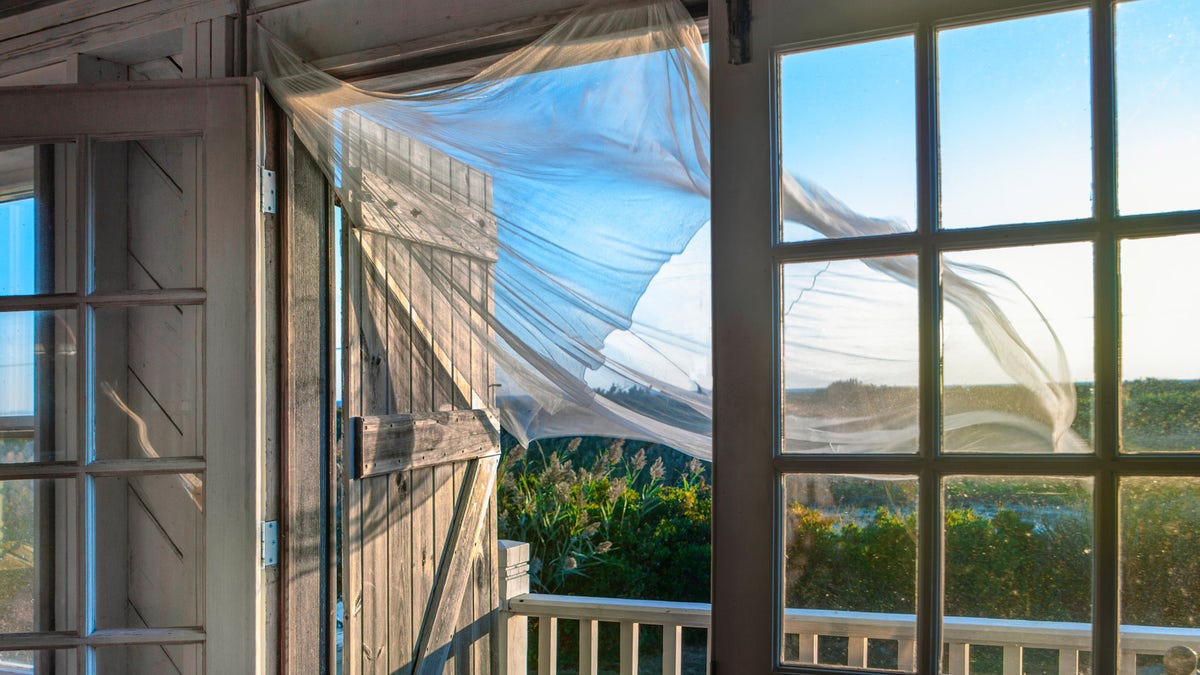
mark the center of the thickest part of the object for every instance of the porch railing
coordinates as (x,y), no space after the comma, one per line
(803,630)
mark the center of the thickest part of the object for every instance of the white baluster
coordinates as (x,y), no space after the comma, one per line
(857,656)
(547,645)
(672,654)
(1128,663)
(629,648)
(1012,659)
(1068,661)
(589,646)
(808,647)
(906,655)
(960,663)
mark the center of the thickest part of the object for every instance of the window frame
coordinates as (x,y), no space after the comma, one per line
(748,260)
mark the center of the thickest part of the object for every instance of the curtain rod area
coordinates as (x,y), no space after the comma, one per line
(445,59)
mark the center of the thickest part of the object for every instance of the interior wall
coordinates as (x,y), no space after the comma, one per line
(158,39)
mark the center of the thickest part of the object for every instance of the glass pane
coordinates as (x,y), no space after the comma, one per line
(145,201)
(37,219)
(850,569)
(37,386)
(148,551)
(1015,122)
(38,662)
(1017,549)
(848,129)
(1160,364)
(1017,349)
(850,356)
(37,561)
(150,660)
(147,382)
(1160,571)
(1158,103)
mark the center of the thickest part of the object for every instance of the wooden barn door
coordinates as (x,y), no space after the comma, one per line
(419,574)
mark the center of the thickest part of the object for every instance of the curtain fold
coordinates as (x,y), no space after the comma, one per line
(578,168)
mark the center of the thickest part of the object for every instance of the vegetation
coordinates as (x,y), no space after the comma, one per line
(608,518)
(603,521)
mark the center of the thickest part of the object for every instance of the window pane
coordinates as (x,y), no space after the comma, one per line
(850,356)
(1158,103)
(147,382)
(1160,364)
(1015,121)
(1160,571)
(850,546)
(150,660)
(37,568)
(37,219)
(848,127)
(148,550)
(1017,349)
(1017,549)
(37,386)
(145,201)
(38,662)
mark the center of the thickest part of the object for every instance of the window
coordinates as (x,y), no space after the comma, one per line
(948,333)
(127,362)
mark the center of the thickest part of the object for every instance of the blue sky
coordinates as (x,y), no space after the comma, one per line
(1015,139)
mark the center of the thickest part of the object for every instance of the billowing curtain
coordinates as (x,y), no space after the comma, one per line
(592,146)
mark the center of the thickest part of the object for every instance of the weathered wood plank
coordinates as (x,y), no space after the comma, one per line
(375,393)
(352,489)
(42,36)
(469,516)
(444,500)
(480,333)
(275,132)
(400,596)
(384,444)
(460,330)
(460,639)
(423,569)
(421,311)
(375,576)
(399,329)
(305,399)
(441,335)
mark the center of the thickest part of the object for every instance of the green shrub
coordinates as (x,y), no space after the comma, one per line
(603,522)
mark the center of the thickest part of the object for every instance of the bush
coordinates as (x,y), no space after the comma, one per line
(616,525)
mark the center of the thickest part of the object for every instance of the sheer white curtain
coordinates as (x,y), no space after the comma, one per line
(594,141)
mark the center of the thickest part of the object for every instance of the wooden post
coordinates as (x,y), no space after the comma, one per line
(513,629)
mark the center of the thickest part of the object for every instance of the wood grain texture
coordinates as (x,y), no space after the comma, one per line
(54,33)
(422,381)
(305,394)
(385,444)
(470,515)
